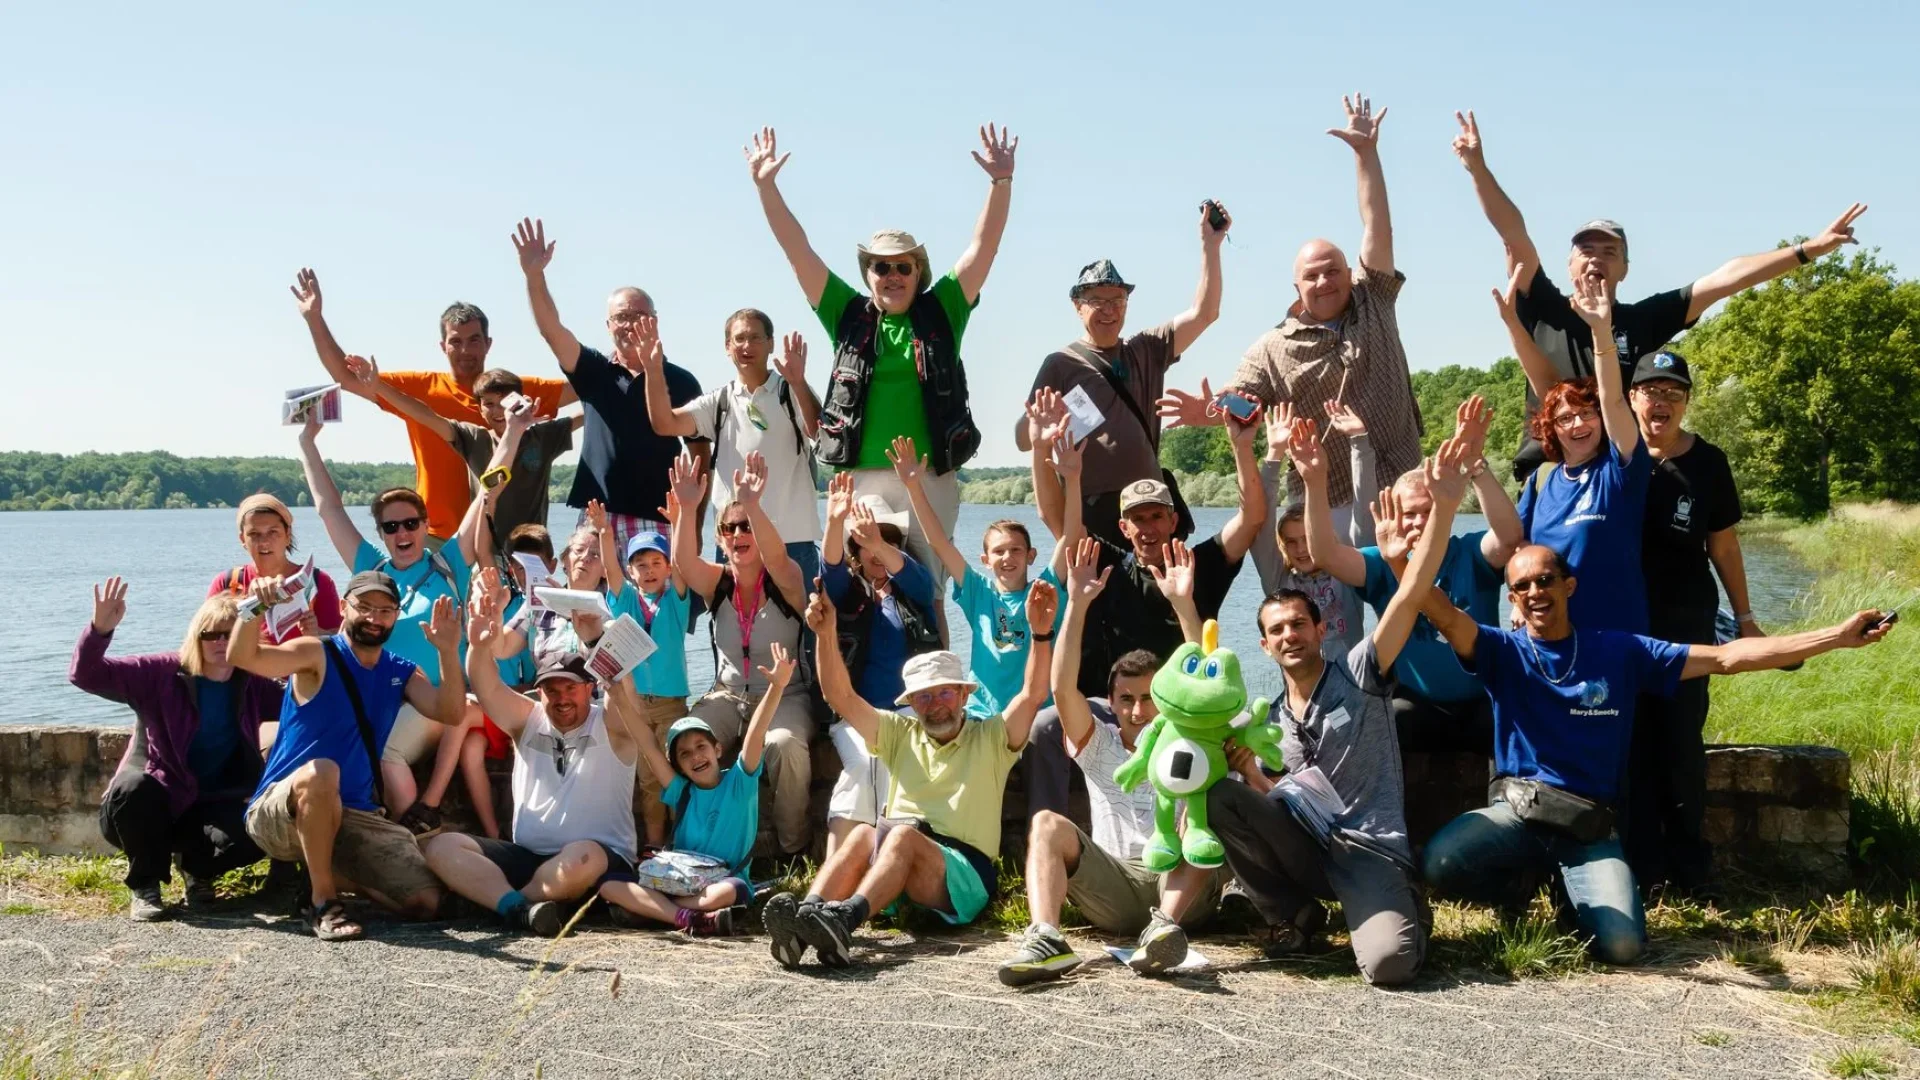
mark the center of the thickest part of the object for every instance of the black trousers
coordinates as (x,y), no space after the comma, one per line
(210,836)
(1667,789)
(1425,725)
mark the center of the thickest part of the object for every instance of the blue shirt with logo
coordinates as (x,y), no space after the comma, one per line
(1593,516)
(721,821)
(1426,664)
(324,727)
(420,585)
(1001,639)
(664,673)
(1563,710)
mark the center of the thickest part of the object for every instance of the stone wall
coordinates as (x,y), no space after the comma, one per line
(1773,812)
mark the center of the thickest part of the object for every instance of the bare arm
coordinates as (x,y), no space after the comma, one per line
(661,413)
(1083,587)
(1594,304)
(1309,455)
(1043,604)
(777,678)
(1191,323)
(625,699)
(1501,213)
(1749,270)
(749,485)
(687,485)
(530,242)
(1723,548)
(764,163)
(1540,371)
(1766,653)
(792,366)
(1362,133)
(910,468)
(1240,531)
(341,531)
(365,373)
(1505,533)
(504,706)
(306,296)
(1447,480)
(975,262)
(304,657)
(836,685)
(1455,625)
(446,703)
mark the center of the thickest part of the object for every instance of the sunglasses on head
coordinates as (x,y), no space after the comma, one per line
(410,524)
(1543,582)
(728,528)
(882,268)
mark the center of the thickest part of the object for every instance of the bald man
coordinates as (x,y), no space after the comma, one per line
(1340,340)
(623,461)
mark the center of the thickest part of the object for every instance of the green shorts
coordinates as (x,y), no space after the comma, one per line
(971,877)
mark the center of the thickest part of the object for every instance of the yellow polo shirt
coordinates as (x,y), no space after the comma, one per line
(956,788)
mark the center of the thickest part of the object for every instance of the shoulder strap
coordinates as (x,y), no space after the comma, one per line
(680,804)
(339,660)
(1099,364)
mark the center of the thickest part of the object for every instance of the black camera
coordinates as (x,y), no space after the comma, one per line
(1216,215)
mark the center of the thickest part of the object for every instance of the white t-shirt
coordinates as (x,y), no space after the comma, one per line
(570,786)
(757,421)
(1122,820)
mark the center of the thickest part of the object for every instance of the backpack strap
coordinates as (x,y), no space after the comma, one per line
(1099,364)
(339,660)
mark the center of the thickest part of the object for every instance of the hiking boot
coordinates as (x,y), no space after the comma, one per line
(709,923)
(544,918)
(829,929)
(1044,956)
(147,905)
(781,917)
(200,895)
(421,820)
(1162,946)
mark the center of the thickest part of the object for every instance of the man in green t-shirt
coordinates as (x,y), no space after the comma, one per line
(902,383)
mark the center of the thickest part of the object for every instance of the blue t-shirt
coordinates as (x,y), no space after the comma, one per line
(325,727)
(880,682)
(722,821)
(1001,638)
(520,669)
(420,585)
(1573,733)
(1426,664)
(218,733)
(664,674)
(1594,518)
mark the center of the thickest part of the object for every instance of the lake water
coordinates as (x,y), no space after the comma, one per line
(169,556)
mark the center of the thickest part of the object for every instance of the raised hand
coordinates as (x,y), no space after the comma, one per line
(1509,302)
(1279,429)
(1466,145)
(310,431)
(820,611)
(1393,543)
(1175,580)
(1067,455)
(751,482)
(907,465)
(792,361)
(999,145)
(520,410)
(1085,578)
(839,496)
(443,627)
(483,613)
(1181,409)
(1447,470)
(1593,300)
(1209,234)
(764,159)
(1865,628)
(531,244)
(864,527)
(1242,431)
(597,515)
(646,342)
(1308,453)
(266,591)
(1046,416)
(782,670)
(1363,125)
(1837,234)
(686,480)
(1470,423)
(109,604)
(366,372)
(1043,604)
(306,292)
(1344,420)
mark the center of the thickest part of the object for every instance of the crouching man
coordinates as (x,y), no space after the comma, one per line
(573,768)
(949,774)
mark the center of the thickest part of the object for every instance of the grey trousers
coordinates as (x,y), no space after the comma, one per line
(1282,869)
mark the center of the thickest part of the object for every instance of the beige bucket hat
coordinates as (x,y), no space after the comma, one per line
(931,669)
(896,242)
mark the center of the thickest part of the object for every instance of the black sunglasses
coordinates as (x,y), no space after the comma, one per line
(1542,582)
(728,528)
(215,635)
(390,527)
(882,269)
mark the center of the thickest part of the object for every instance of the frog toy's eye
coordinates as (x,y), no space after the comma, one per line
(1191,665)
(1213,668)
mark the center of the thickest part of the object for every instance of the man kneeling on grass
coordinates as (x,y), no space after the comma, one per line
(949,774)
(1103,874)
(573,762)
(716,813)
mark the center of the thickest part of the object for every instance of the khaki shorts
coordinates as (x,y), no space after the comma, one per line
(368,851)
(413,737)
(1119,895)
(661,712)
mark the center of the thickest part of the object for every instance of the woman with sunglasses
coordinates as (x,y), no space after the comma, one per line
(194,758)
(266,535)
(423,576)
(1589,500)
(756,599)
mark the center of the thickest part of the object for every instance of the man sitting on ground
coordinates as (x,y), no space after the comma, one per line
(949,774)
(573,766)
(319,798)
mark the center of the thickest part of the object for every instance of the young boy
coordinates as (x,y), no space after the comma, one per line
(655,596)
(717,811)
(996,607)
(1286,562)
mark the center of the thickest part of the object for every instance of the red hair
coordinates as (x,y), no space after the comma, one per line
(1580,394)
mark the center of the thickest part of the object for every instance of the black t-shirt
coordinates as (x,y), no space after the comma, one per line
(622,462)
(1689,497)
(1639,328)
(1133,614)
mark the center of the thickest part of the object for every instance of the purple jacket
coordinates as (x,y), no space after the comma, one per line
(166,710)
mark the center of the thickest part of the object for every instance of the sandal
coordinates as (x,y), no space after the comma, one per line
(330,923)
(421,820)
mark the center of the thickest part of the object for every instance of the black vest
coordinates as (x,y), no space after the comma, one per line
(943,386)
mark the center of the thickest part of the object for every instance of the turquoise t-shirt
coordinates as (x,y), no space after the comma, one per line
(721,821)
(1001,638)
(894,406)
(1426,664)
(420,585)
(664,674)
(519,669)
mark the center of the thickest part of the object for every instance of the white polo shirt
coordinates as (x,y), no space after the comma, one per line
(755,420)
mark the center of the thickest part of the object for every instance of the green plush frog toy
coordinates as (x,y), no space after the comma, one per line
(1198,691)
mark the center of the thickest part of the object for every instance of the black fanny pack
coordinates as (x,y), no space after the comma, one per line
(1543,804)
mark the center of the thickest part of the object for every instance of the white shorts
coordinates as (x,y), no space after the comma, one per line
(861,793)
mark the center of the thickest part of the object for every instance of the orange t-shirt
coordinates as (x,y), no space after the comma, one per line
(440,473)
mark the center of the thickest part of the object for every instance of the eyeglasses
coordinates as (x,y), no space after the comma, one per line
(629,318)
(410,524)
(881,268)
(215,635)
(945,695)
(728,528)
(1111,303)
(382,612)
(1542,582)
(1567,420)
(1667,394)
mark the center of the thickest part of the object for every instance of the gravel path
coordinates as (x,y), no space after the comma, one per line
(249,995)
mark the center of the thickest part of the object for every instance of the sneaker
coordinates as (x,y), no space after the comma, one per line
(710,923)
(421,820)
(829,929)
(147,905)
(544,918)
(200,895)
(781,917)
(1162,946)
(1044,956)
(623,919)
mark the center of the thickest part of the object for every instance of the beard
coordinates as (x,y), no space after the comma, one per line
(363,632)
(942,725)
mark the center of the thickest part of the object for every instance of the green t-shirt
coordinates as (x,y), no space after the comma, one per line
(893,400)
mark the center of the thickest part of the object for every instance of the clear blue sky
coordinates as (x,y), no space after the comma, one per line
(169,169)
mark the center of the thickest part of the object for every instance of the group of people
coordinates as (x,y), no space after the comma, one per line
(645,791)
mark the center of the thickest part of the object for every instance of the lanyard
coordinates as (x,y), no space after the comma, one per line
(745,614)
(647,610)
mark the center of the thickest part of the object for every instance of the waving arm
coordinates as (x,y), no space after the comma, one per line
(975,262)
(1191,323)
(1501,213)
(764,162)
(1747,271)
(530,243)
(1362,133)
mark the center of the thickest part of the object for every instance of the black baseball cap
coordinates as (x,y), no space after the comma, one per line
(1664,364)
(563,664)
(372,581)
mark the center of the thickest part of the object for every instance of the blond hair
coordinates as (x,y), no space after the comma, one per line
(215,612)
